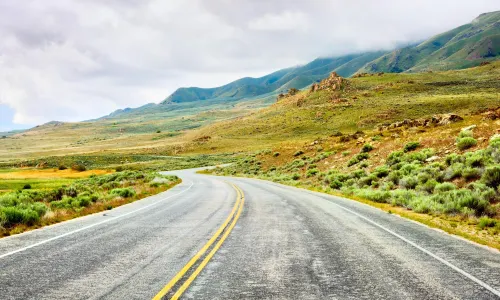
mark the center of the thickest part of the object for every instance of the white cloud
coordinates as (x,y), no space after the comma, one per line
(73,60)
(288,20)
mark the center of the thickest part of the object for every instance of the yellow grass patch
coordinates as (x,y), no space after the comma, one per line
(50,173)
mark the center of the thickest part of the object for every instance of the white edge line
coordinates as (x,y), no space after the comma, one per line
(443,261)
(471,277)
(93,225)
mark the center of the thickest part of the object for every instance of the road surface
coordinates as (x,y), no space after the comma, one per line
(261,240)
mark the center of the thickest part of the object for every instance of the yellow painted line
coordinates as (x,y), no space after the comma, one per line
(202,251)
(193,276)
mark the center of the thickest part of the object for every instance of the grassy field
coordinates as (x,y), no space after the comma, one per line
(34,202)
(16,179)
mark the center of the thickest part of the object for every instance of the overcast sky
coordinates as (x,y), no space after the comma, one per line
(71,60)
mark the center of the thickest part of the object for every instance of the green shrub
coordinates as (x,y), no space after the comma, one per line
(78,167)
(357,158)
(454,171)
(119,169)
(366,148)
(428,186)
(374,195)
(364,165)
(454,158)
(411,146)
(345,153)
(358,174)
(312,172)
(295,176)
(491,176)
(410,168)
(298,153)
(62,167)
(464,134)
(471,173)
(408,182)
(466,143)
(367,180)
(487,222)
(394,157)
(376,138)
(335,184)
(403,197)
(27,186)
(474,159)
(11,216)
(381,171)
(461,201)
(394,176)
(123,192)
(445,187)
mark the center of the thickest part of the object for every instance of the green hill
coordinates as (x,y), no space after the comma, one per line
(296,77)
(462,47)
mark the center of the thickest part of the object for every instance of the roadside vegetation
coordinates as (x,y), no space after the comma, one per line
(462,188)
(30,207)
(422,145)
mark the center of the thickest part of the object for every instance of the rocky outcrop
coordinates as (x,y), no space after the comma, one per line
(334,82)
(491,114)
(436,120)
(291,92)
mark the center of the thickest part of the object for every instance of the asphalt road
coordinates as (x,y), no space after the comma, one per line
(287,244)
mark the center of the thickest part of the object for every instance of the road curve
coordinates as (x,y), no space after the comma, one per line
(287,244)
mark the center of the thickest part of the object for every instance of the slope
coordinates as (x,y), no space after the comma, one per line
(297,77)
(462,47)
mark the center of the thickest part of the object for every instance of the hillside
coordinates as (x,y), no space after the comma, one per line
(362,104)
(296,77)
(462,47)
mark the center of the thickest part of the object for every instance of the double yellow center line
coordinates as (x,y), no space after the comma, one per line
(219,236)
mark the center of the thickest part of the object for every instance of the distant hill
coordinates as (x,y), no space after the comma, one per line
(462,47)
(296,77)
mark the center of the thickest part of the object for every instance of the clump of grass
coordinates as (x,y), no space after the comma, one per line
(78,167)
(445,187)
(298,153)
(276,154)
(491,176)
(123,192)
(312,172)
(357,158)
(345,153)
(411,146)
(487,222)
(366,148)
(466,143)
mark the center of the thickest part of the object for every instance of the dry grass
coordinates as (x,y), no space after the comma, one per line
(50,173)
